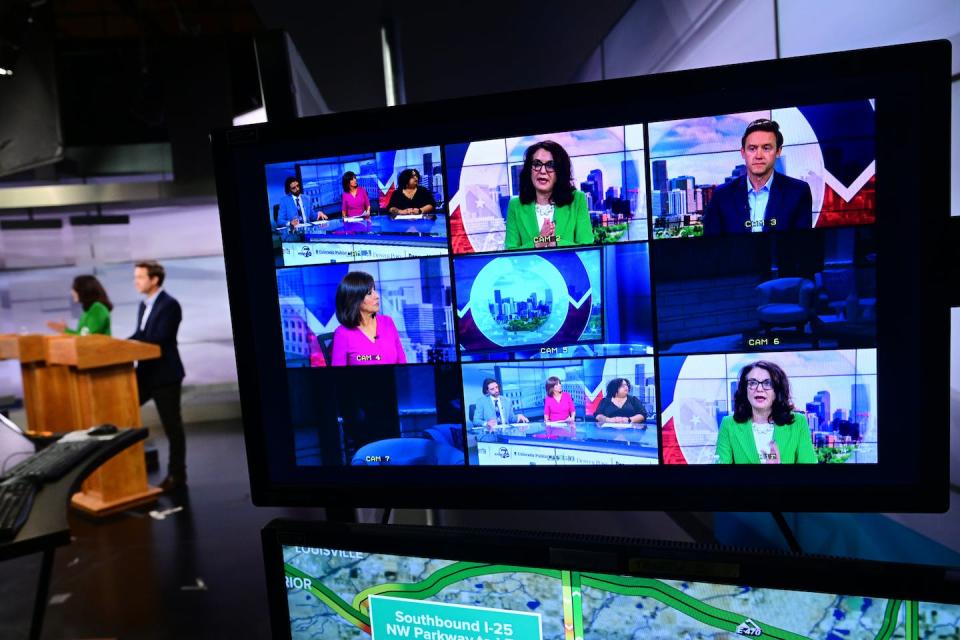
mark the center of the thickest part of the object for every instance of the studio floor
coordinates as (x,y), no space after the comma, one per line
(196,573)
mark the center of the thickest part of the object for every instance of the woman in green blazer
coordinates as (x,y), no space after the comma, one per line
(764,428)
(91,295)
(549,212)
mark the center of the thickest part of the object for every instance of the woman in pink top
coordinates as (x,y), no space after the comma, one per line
(558,407)
(364,337)
(355,201)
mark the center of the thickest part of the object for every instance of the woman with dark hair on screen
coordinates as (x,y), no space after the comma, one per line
(364,336)
(764,428)
(91,295)
(355,201)
(409,198)
(619,409)
(558,405)
(549,211)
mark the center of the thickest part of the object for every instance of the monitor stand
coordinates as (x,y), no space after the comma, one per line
(702,532)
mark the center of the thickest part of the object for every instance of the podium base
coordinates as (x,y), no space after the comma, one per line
(99,508)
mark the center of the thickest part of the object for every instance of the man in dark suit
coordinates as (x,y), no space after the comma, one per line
(158,320)
(762,200)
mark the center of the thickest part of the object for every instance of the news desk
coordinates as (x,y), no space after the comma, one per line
(560,443)
(378,237)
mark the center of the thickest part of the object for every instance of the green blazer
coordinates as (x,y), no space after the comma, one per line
(96,319)
(735,443)
(572,223)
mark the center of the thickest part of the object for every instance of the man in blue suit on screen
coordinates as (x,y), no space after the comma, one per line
(295,207)
(763,199)
(493,409)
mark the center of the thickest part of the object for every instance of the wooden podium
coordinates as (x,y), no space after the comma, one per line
(77,382)
(46,388)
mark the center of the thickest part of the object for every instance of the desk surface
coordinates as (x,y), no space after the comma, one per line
(47,525)
(581,433)
(429,229)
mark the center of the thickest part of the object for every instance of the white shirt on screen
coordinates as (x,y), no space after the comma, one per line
(498,408)
(299,205)
(758,204)
(763,438)
(544,213)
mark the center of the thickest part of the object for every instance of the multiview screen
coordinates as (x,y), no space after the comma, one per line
(340,593)
(693,291)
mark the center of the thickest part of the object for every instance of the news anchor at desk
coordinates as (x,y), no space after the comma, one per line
(491,409)
(158,320)
(355,202)
(558,405)
(91,295)
(619,409)
(764,429)
(295,207)
(364,337)
(409,198)
(549,211)
(763,199)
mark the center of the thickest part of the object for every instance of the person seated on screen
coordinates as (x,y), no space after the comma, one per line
(763,199)
(549,212)
(364,336)
(355,202)
(764,428)
(295,207)
(619,409)
(91,295)
(558,405)
(492,409)
(409,198)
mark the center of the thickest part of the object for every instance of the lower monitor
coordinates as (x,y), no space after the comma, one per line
(341,581)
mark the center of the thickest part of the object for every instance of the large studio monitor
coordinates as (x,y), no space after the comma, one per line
(711,289)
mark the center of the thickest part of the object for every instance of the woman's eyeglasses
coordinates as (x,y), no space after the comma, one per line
(547,166)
